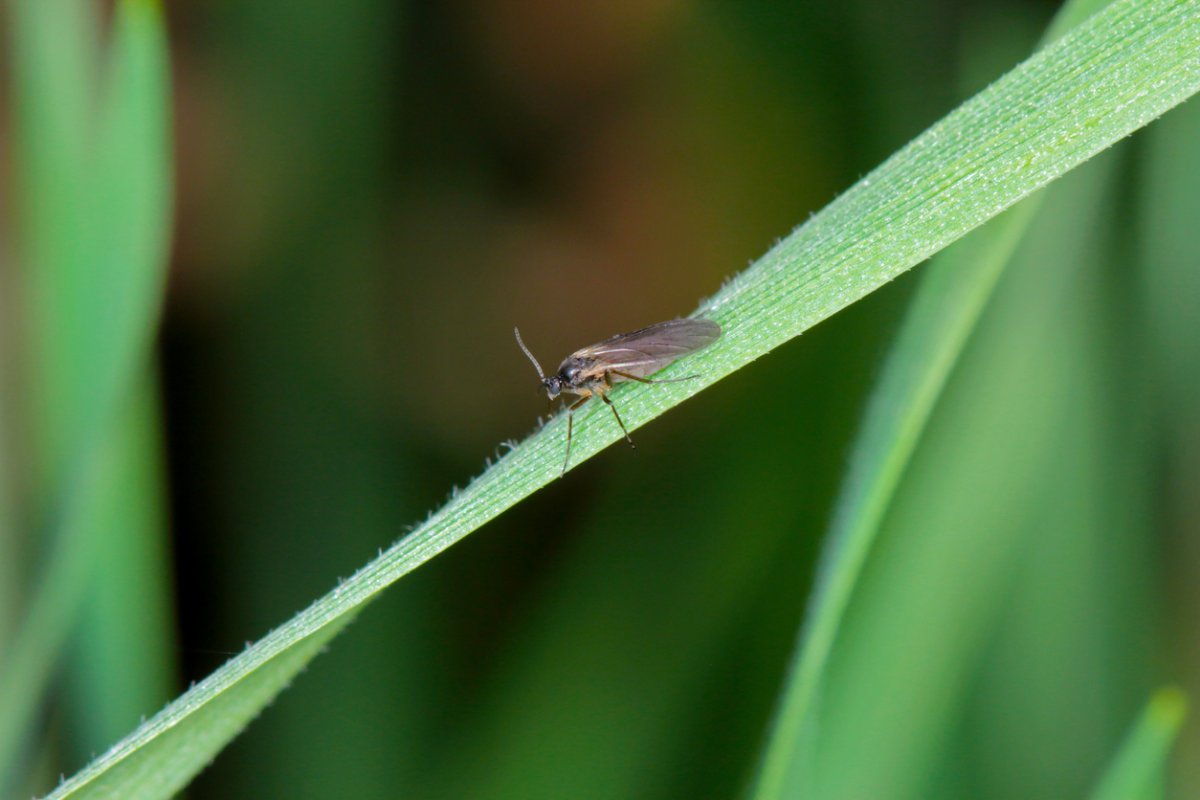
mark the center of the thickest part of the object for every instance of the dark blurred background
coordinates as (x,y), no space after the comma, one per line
(370,194)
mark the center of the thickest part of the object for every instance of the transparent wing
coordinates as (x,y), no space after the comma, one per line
(644,352)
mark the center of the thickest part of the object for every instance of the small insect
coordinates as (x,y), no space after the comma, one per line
(593,370)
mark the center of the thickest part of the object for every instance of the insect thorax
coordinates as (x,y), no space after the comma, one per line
(576,371)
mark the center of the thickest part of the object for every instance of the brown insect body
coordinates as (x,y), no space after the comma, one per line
(632,356)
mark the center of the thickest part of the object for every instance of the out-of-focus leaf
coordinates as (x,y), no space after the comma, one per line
(94,180)
(1138,772)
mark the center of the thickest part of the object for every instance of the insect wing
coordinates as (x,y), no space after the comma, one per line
(644,352)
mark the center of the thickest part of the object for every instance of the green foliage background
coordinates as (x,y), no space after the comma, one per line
(367,195)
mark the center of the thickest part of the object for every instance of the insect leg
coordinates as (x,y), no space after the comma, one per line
(604,397)
(648,380)
(570,424)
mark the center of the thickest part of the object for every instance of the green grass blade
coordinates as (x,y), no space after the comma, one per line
(1169,201)
(124,656)
(50,53)
(1121,69)
(982,498)
(1138,772)
(53,60)
(1168,204)
(96,192)
(121,664)
(943,314)
(954,290)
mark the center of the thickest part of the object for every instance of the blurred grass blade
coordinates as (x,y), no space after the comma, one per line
(95,184)
(1139,770)
(121,663)
(953,293)
(985,516)
(124,656)
(1168,203)
(943,314)
(1104,80)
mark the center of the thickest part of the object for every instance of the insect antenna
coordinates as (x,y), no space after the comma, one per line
(525,349)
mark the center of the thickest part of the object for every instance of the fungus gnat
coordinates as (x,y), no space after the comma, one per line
(632,356)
